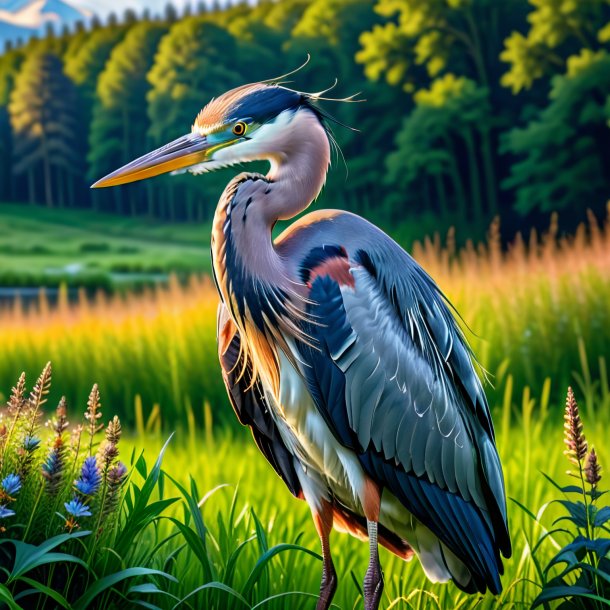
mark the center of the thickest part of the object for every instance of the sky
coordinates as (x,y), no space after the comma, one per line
(103,7)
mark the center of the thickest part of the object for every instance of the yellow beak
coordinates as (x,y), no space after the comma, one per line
(183,152)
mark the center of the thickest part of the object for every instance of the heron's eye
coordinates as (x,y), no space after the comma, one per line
(239,129)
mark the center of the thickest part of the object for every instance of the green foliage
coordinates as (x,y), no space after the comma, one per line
(119,124)
(558,153)
(75,534)
(579,572)
(447,123)
(556,29)
(44,130)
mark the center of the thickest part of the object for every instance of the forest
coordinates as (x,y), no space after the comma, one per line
(471,109)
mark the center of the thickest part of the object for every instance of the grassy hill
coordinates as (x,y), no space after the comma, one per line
(43,247)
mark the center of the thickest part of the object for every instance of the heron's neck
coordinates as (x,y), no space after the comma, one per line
(244,257)
(298,172)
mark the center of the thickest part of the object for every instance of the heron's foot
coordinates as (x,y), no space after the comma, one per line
(328,586)
(373,585)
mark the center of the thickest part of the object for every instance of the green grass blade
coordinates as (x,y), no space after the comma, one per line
(213,585)
(38,587)
(7,598)
(264,560)
(112,579)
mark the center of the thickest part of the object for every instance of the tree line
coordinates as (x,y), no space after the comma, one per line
(473,107)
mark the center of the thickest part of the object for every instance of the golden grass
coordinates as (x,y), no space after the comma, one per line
(532,309)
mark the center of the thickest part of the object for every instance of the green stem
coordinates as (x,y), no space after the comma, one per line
(27,529)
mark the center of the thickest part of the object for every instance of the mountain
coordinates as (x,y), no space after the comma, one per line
(24,18)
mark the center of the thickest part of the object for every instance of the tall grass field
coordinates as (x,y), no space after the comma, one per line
(538,311)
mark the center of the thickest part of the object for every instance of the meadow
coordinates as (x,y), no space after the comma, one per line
(94,250)
(536,315)
(536,311)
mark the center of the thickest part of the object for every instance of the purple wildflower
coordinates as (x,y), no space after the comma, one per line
(90,477)
(76,508)
(11,484)
(30,442)
(6,512)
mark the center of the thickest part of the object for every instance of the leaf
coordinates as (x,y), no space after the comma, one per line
(526,510)
(44,560)
(214,585)
(150,588)
(264,560)
(261,536)
(577,512)
(40,588)
(549,594)
(566,489)
(197,546)
(5,596)
(112,579)
(27,555)
(602,516)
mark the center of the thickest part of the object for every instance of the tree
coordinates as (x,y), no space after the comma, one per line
(193,64)
(422,41)
(419,41)
(564,153)
(9,67)
(557,30)
(119,124)
(437,157)
(42,106)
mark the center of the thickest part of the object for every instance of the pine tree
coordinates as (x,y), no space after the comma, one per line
(42,107)
(119,125)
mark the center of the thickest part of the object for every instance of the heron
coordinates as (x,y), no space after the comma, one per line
(340,352)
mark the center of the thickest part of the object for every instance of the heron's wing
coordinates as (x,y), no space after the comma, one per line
(392,374)
(249,401)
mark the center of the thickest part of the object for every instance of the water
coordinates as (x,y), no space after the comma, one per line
(29,295)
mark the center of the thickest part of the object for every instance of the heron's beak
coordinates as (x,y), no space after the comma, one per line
(183,152)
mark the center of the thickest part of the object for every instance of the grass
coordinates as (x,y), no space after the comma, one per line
(84,248)
(229,464)
(539,309)
(542,322)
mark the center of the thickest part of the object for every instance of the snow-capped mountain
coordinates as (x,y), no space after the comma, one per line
(24,18)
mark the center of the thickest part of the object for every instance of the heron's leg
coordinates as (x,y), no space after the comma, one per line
(324,524)
(373,579)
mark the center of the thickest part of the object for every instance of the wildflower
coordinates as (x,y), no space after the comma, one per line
(93,413)
(113,431)
(16,400)
(60,422)
(109,451)
(76,508)
(90,478)
(574,437)
(115,478)
(11,484)
(6,512)
(116,474)
(30,443)
(593,469)
(53,467)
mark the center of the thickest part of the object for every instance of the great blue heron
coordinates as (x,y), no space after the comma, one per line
(341,353)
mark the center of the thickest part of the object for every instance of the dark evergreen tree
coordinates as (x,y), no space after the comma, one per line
(42,108)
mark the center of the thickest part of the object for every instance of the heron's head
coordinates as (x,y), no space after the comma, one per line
(252,122)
